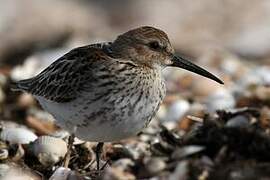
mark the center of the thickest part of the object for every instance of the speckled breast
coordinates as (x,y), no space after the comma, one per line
(109,114)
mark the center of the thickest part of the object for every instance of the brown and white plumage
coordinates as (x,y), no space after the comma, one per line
(108,91)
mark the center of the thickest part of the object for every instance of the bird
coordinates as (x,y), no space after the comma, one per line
(106,92)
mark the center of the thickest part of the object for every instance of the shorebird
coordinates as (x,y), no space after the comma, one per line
(109,91)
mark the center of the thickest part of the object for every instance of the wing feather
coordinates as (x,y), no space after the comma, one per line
(64,78)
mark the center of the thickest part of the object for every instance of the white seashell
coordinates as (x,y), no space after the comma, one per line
(10,124)
(17,135)
(49,150)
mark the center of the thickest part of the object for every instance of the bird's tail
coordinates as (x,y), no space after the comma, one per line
(22,85)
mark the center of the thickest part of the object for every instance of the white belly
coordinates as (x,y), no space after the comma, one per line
(103,121)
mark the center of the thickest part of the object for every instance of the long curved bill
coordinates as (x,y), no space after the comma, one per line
(185,64)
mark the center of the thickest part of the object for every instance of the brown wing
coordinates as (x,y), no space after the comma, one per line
(63,79)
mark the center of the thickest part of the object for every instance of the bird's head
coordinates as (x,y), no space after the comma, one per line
(149,46)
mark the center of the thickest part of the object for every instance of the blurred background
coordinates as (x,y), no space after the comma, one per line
(229,38)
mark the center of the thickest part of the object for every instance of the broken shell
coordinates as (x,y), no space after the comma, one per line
(49,150)
(3,154)
(17,135)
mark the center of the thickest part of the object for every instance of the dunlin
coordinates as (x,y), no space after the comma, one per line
(109,91)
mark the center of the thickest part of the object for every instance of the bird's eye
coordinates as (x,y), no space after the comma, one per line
(154,45)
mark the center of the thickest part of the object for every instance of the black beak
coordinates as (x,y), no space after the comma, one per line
(185,64)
